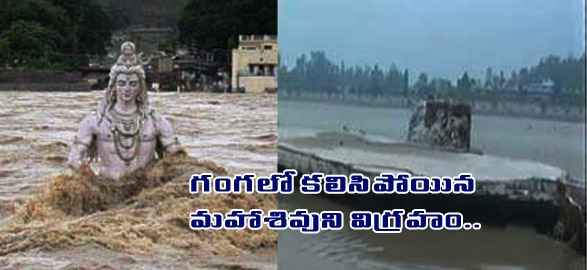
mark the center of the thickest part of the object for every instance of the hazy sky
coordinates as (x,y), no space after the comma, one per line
(443,38)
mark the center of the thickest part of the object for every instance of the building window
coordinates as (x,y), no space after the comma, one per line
(262,70)
(268,47)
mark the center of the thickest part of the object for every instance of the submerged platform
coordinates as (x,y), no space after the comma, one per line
(507,190)
(341,153)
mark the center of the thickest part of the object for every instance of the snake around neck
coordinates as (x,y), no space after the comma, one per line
(125,128)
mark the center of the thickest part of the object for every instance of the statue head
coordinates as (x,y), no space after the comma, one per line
(127,48)
(127,84)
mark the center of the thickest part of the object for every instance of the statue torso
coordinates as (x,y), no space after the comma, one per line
(122,149)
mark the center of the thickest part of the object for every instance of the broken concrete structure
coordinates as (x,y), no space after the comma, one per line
(441,123)
(508,191)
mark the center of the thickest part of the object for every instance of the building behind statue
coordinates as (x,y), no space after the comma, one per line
(254,64)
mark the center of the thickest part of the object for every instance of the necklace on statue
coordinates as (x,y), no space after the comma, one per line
(125,128)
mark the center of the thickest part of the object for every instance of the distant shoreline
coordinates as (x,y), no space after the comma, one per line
(576,118)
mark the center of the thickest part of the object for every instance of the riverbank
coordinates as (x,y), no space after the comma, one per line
(42,81)
(46,87)
(505,108)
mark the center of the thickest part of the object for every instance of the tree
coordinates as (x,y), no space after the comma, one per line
(211,23)
(421,85)
(463,85)
(502,80)
(43,33)
(29,43)
(488,79)
(90,30)
(376,81)
(440,86)
(513,81)
(406,82)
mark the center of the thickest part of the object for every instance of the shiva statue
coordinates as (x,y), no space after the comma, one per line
(125,134)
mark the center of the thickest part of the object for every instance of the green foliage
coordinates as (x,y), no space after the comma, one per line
(318,74)
(217,23)
(464,86)
(4,50)
(147,13)
(29,43)
(51,33)
(119,12)
(170,44)
(568,75)
(41,11)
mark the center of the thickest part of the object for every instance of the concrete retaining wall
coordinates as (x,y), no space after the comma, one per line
(532,189)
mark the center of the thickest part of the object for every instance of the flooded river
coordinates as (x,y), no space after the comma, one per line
(238,132)
(556,143)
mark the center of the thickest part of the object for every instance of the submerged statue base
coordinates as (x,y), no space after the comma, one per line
(441,123)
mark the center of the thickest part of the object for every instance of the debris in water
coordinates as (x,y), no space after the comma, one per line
(136,213)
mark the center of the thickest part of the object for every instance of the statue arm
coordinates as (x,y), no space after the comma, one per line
(82,142)
(169,142)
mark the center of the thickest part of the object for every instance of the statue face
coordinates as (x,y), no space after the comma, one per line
(127,50)
(127,87)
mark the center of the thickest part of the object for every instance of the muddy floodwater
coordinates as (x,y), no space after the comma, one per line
(236,132)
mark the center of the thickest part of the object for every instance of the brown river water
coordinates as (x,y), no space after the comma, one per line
(237,132)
